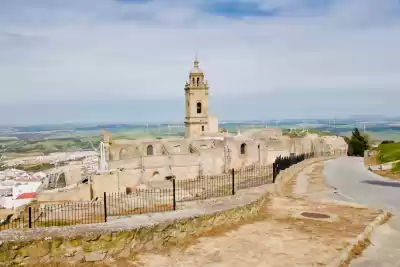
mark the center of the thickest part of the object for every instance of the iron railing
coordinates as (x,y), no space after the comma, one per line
(150,200)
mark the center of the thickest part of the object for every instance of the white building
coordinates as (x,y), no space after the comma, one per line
(22,199)
(22,192)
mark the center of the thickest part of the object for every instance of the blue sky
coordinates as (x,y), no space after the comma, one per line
(127,61)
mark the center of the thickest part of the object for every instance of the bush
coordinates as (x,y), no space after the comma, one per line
(396,167)
(387,142)
(357,143)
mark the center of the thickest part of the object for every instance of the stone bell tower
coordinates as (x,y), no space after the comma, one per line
(196,98)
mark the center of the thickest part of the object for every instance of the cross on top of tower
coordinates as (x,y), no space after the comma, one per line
(196,69)
(196,61)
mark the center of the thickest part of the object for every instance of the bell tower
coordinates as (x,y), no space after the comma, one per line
(196,98)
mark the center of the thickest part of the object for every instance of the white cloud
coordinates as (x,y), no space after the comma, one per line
(56,50)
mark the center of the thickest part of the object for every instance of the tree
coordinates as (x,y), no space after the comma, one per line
(357,144)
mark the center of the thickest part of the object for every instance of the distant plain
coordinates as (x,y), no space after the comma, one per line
(16,141)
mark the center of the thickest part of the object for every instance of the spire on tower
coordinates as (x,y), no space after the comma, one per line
(196,61)
(196,70)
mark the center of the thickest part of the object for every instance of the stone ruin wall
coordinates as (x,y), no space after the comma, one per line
(207,156)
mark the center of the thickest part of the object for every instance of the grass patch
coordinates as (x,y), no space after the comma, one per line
(396,167)
(35,167)
(388,152)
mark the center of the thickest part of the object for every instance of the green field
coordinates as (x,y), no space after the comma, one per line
(68,142)
(45,139)
(388,152)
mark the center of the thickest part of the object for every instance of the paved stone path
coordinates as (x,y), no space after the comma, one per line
(350,177)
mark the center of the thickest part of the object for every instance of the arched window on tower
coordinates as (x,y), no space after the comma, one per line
(149,150)
(198,81)
(193,81)
(198,107)
(243,148)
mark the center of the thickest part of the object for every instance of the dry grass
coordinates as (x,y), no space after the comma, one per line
(356,252)
(388,174)
(372,160)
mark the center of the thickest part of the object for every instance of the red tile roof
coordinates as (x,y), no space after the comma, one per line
(27,195)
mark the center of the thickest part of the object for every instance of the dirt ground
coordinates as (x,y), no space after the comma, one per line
(315,182)
(282,238)
(372,159)
(388,174)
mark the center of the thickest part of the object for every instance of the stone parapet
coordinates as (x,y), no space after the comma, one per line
(125,237)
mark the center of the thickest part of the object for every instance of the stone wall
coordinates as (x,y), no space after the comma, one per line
(77,192)
(126,237)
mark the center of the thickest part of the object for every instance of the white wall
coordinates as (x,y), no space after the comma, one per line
(25,187)
(9,202)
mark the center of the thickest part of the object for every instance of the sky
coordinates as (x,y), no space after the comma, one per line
(128,60)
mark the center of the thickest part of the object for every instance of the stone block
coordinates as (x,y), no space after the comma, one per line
(94,256)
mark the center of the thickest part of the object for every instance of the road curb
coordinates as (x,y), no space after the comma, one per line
(346,254)
(342,203)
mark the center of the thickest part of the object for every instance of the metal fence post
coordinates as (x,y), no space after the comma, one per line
(105,207)
(273,172)
(174,194)
(233,181)
(30,217)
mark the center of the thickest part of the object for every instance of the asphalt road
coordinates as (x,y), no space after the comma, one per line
(354,182)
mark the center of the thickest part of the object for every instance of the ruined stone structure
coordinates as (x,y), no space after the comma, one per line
(203,150)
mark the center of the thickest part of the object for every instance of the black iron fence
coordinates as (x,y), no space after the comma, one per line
(210,186)
(148,200)
(282,163)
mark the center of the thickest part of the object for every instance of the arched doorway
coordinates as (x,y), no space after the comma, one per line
(149,150)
